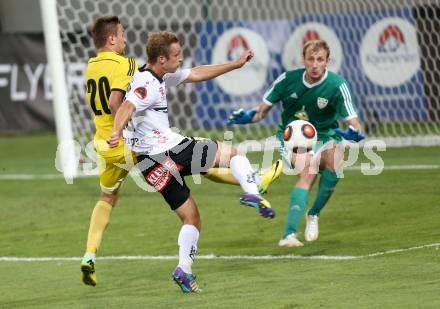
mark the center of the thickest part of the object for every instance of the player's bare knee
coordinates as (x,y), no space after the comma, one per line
(305,180)
(197,222)
(224,154)
(333,157)
(109,198)
(333,162)
(301,163)
(189,214)
(330,167)
(192,218)
(235,152)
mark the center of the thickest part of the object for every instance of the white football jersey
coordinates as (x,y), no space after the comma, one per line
(148,130)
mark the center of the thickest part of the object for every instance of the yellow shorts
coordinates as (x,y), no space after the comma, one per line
(111,176)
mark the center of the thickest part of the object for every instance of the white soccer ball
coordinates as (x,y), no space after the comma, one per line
(299,134)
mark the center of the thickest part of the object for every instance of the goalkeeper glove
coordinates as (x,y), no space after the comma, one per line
(241,116)
(351,134)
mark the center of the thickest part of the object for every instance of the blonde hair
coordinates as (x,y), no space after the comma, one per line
(158,44)
(316,45)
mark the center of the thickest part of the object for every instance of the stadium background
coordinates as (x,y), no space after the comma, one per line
(379,235)
(393,103)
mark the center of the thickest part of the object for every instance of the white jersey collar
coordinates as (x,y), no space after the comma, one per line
(145,69)
(315,84)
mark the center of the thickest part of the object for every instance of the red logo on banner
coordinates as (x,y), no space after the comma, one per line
(310,35)
(391,39)
(237,45)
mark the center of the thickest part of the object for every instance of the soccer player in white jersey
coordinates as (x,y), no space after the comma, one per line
(111,67)
(164,156)
(322,97)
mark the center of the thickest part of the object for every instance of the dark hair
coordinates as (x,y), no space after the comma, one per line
(316,45)
(103,28)
(158,44)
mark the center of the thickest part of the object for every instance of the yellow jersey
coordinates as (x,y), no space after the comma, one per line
(107,72)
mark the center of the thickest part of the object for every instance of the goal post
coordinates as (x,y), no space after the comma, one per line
(66,160)
(387,50)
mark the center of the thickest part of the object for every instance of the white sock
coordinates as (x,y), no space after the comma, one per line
(188,237)
(90,256)
(242,171)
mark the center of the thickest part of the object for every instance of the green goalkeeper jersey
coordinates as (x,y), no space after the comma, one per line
(322,103)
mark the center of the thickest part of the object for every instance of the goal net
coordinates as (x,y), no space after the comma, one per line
(387,50)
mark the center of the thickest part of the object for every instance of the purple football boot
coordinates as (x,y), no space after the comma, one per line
(262,205)
(187,282)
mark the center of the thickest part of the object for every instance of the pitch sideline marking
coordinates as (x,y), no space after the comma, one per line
(214,257)
(349,168)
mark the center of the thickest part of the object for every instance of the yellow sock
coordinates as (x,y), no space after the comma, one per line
(98,223)
(221,175)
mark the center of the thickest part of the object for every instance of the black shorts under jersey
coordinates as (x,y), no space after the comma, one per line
(166,171)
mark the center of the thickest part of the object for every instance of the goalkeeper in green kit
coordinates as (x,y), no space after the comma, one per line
(321,97)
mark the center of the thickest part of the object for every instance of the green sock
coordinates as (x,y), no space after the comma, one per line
(295,212)
(327,185)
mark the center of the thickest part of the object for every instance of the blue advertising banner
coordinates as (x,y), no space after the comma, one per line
(377,52)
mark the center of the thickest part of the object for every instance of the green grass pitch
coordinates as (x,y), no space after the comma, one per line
(396,210)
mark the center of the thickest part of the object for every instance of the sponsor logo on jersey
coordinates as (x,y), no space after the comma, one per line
(157,135)
(141,92)
(161,175)
(162,92)
(292,55)
(390,52)
(302,114)
(322,102)
(251,77)
(294,95)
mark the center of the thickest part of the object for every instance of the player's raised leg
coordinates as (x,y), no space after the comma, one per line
(243,172)
(267,178)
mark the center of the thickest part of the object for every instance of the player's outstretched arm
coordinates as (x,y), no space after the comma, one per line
(242,116)
(122,117)
(206,72)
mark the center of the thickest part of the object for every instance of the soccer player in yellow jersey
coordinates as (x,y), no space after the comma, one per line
(107,78)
